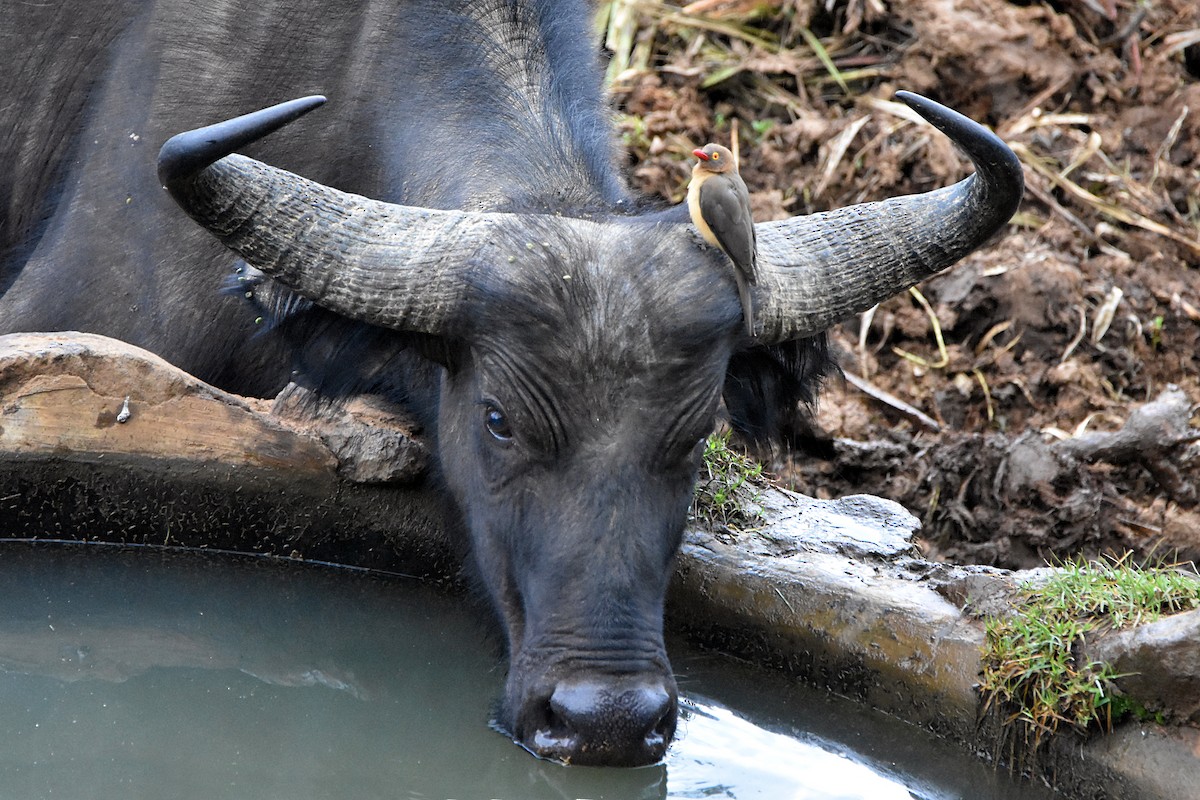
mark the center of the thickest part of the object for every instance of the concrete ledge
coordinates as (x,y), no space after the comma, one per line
(869,624)
(93,398)
(831,591)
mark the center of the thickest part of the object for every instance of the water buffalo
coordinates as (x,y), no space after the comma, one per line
(564,343)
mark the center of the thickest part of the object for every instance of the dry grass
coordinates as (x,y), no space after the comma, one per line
(801,75)
(811,90)
(1090,304)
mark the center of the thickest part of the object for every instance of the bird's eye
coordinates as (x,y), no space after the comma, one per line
(496,423)
(716,156)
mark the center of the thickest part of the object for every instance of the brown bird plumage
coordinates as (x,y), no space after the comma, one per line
(720,207)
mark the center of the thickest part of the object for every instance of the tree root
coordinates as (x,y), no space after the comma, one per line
(1016,501)
(1157,436)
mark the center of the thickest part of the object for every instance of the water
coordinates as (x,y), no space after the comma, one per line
(128,675)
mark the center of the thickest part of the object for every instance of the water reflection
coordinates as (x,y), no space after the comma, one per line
(148,676)
(721,746)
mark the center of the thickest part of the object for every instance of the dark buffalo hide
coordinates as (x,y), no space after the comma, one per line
(564,345)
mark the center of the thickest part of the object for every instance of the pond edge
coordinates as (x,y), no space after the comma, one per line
(832,592)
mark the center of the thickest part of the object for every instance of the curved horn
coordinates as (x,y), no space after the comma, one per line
(817,270)
(396,266)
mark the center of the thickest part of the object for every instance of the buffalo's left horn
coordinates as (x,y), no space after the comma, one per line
(390,265)
(817,270)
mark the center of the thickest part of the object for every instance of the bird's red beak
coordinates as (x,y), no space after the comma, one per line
(700,154)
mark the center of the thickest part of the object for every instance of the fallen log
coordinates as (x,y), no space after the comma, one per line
(102,441)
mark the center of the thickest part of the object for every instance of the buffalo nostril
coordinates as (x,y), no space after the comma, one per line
(659,736)
(593,723)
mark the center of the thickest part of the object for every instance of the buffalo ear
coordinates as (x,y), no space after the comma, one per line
(770,392)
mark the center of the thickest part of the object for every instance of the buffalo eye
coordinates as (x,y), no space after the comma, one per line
(496,423)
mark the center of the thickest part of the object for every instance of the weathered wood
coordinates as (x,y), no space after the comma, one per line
(191,465)
(94,397)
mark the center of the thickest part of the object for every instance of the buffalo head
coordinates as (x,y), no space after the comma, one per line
(583,358)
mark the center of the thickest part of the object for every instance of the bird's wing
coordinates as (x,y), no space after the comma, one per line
(725,203)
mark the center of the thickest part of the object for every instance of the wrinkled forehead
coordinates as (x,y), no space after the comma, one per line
(584,332)
(593,296)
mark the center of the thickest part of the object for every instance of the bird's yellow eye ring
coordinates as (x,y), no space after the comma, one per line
(716,156)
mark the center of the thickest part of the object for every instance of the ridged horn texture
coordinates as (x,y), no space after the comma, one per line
(817,270)
(390,265)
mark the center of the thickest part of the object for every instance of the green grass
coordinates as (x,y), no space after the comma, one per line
(726,490)
(1032,675)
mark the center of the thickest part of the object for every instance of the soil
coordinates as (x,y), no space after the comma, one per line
(1032,434)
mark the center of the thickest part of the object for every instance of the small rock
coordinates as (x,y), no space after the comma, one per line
(1161,663)
(1030,462)
(859,526)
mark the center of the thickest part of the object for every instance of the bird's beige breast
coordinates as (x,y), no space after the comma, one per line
(693,204)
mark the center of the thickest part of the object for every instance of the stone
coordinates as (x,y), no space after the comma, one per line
(858,525)
(372,440)
(1159,664)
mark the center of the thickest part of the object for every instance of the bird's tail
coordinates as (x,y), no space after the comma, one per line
(743,287)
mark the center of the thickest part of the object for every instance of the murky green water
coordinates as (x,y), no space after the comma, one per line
(145,675)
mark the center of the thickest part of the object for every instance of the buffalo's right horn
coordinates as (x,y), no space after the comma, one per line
(397,266)
(817,270)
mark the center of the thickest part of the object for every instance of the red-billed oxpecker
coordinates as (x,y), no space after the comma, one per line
(720,207)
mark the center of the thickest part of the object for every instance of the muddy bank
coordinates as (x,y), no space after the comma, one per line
(1086,308)
(102,442)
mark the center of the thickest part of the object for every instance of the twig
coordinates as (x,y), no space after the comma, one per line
(992,333)
(1078,337)
(1126,30)
(1025,118)
(1105,313)
(837,151)
(1164,150)
(864,329)
(826,60)
(1104,207)
(702,23)
(1048,200)
(987,393)
(1086,152)
(879,395)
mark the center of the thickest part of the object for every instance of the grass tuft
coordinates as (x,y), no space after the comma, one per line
(1032,673)
(726,491)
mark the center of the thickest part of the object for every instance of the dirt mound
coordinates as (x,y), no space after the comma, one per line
(1085,310)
